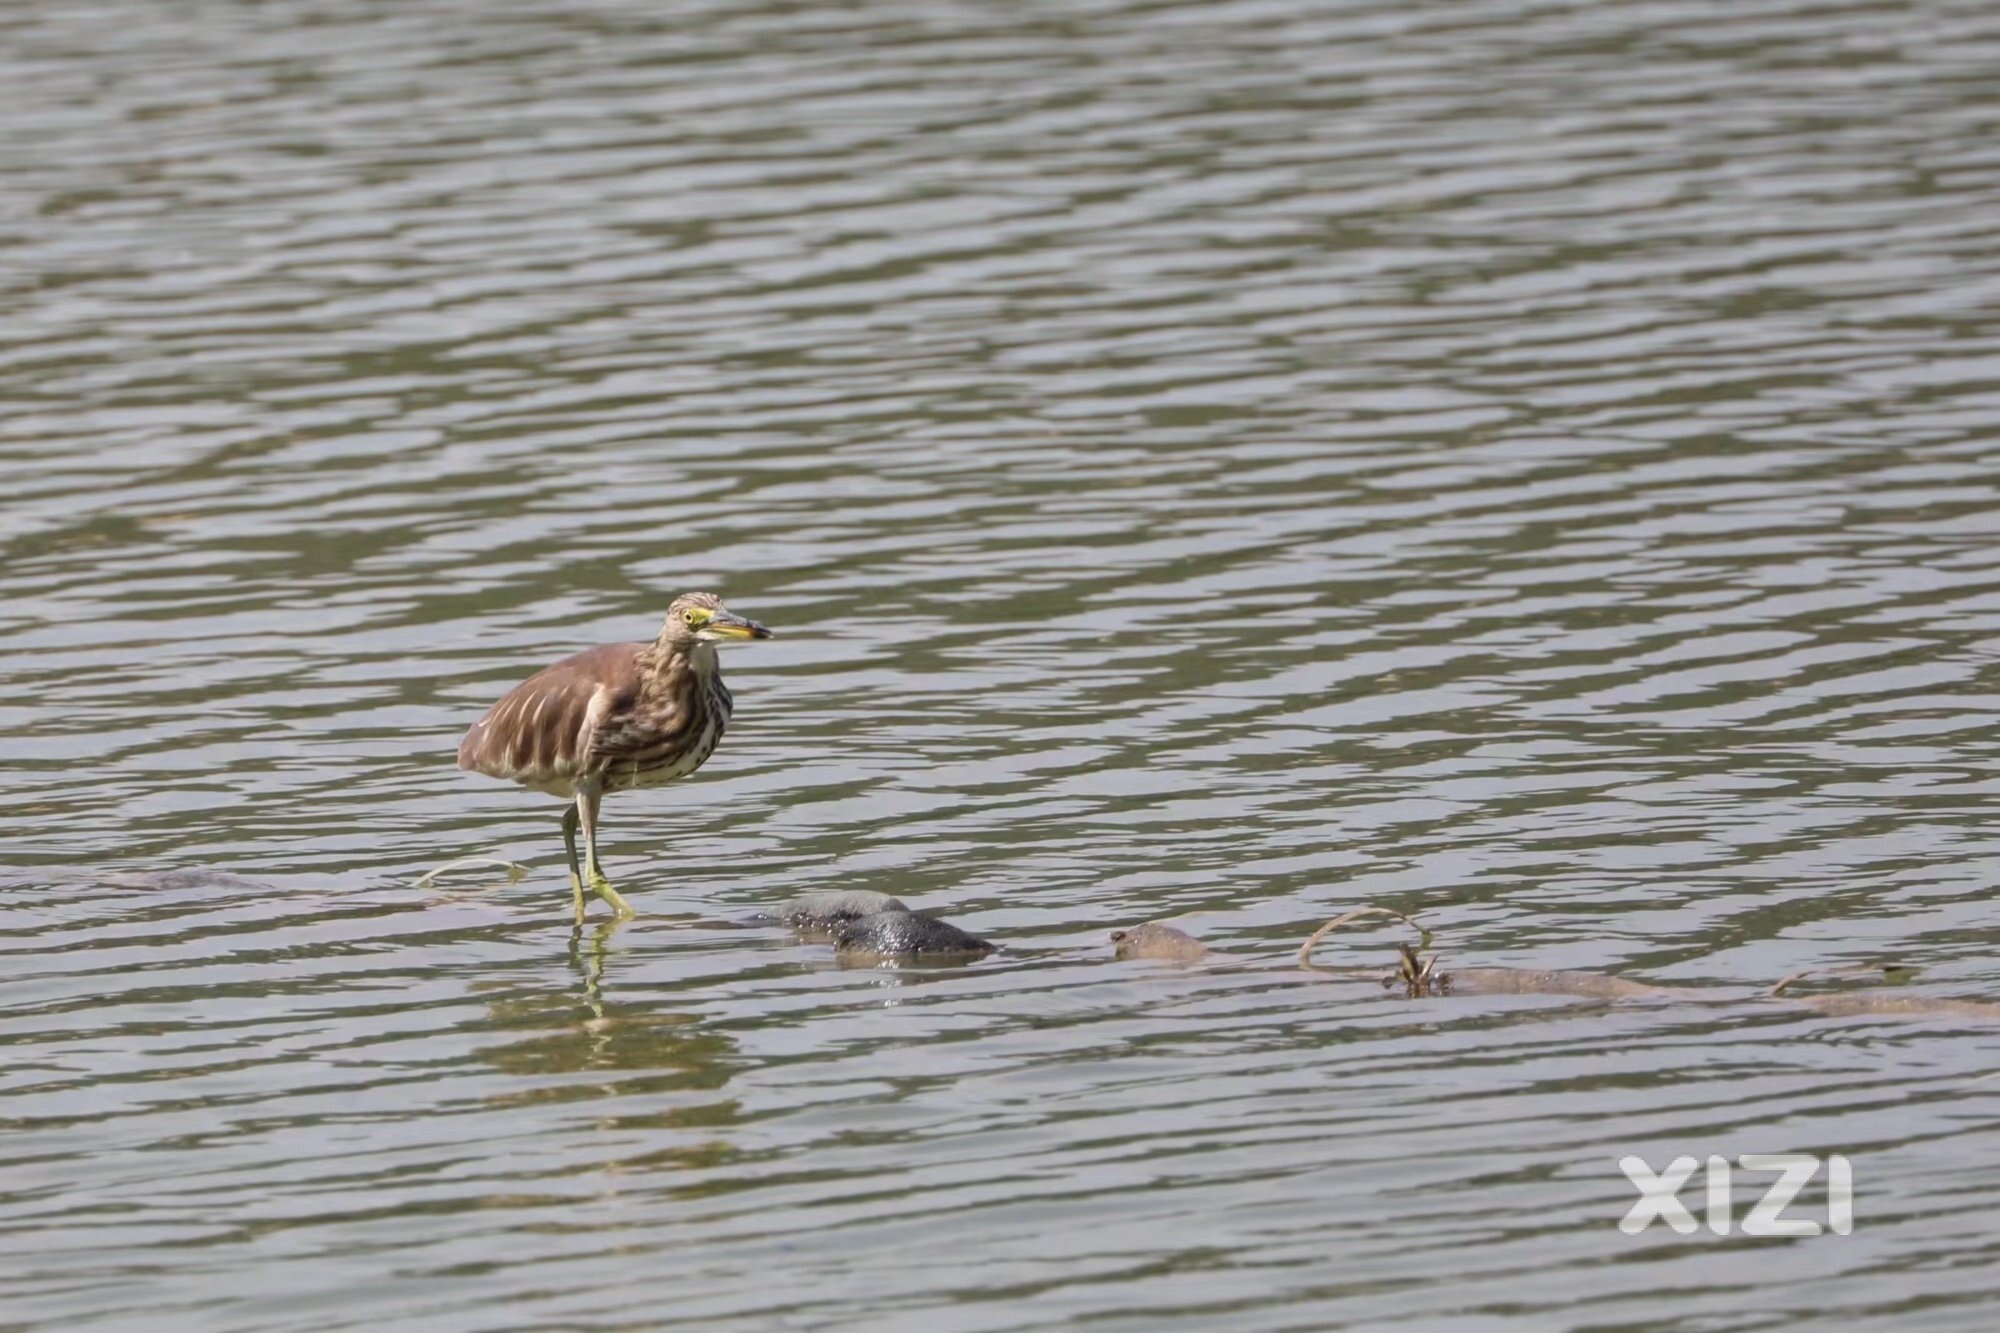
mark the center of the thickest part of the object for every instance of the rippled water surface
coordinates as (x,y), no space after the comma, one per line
(1528,464)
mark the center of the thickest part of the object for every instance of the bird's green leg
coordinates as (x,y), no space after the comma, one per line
(587,802)
(570,819)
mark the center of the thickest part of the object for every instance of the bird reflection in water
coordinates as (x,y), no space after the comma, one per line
(652,1069)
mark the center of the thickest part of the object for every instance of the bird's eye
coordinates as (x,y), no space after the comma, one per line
(688,616)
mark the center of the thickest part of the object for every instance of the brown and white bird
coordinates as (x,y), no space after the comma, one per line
(621,715)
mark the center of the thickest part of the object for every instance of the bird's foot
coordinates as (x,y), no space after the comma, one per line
(576,895)
(610,895)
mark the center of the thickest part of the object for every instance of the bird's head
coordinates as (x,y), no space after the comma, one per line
(700,617)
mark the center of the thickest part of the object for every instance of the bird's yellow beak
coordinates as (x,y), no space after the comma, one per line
(726,626)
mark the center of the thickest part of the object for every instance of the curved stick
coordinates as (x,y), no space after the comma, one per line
(1305,950)
(514,870)
(1889,971)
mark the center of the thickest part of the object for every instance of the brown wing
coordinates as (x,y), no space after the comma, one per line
(539,734)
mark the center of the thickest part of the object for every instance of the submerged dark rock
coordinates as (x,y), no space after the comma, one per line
(1545,981)
(894,936)
(173,880)
(833,908)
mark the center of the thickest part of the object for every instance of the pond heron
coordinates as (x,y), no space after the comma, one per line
(621,715)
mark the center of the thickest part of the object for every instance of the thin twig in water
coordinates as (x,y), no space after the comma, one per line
(1420,978)
(1895,972)
(514,870)
(1305,950)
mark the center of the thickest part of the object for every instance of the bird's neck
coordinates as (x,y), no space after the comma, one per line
(666,657)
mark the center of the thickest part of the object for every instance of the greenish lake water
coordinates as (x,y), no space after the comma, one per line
(1528,464)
